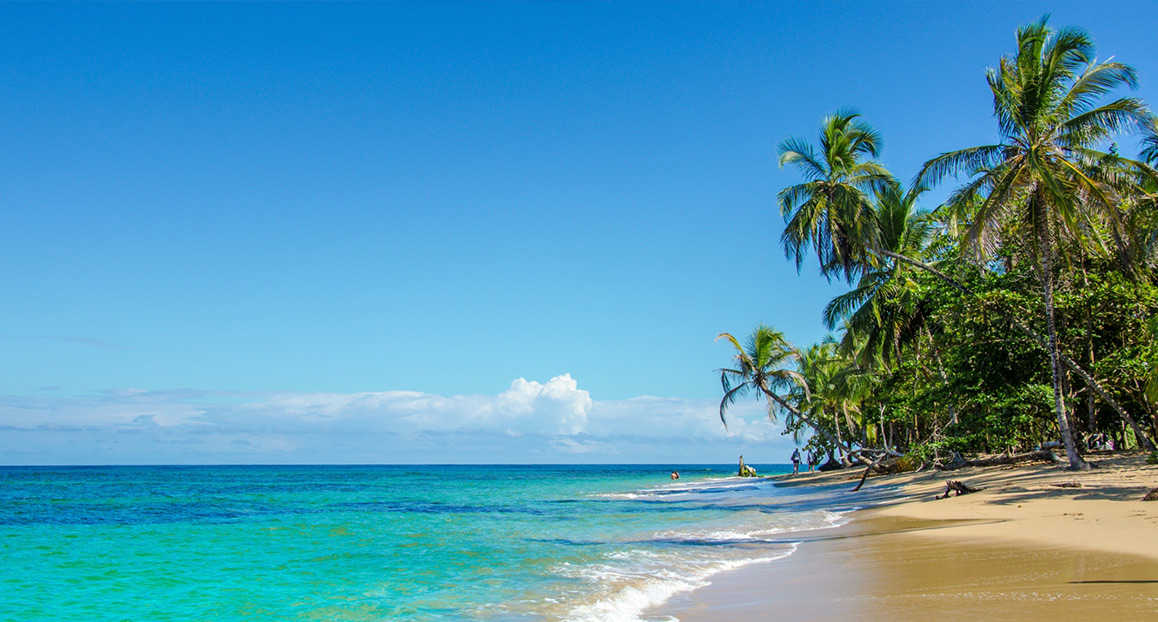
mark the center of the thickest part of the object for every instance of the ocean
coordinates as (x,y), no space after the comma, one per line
(383,543)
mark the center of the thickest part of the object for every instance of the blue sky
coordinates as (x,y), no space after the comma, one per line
(211,211)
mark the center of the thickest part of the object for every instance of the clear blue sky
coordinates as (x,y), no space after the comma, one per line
(235,204)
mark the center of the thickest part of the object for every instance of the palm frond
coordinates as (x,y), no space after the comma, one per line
(798,153)
(1127,113)
(1096,81)
(968,161)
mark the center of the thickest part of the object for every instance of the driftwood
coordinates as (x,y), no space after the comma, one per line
(960,488)
(867,470)
(1042,455)
(1151,496)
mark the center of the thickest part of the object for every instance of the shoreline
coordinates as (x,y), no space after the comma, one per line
(1023,548)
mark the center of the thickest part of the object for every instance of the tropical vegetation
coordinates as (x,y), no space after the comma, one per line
(1016,315)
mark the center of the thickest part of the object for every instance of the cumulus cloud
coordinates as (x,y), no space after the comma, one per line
(559,404)
(529,421)
(555,407)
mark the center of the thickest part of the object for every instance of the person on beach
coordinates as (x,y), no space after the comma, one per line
(811,461)
(675,474)
(796,461)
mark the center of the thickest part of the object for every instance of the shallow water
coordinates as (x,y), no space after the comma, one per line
(400,543)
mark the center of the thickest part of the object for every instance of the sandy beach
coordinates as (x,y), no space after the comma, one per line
(1031,545)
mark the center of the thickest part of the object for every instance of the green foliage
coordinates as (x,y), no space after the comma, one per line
(909,462)
(942,336)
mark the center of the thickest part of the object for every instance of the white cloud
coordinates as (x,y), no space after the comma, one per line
(556,407)
(530,421)
(560,405)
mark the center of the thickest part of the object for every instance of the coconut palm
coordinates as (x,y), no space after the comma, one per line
(765,366)
(1035,187)
(1150,143)
(883,310)
(836,393)
(1144,213)
(832,211)
(875,253)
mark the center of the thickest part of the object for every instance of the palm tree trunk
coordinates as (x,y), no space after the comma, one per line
(1143,439)
(881,422)
(1046,265)
(1076,462)
(836,423)
(844,454)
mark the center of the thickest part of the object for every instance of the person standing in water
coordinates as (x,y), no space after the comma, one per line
(796,461)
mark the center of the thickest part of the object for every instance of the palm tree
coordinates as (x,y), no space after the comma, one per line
(886,310)
(836,394)
(1145,206)
(883,310)
(1035,186)
(831,210)
(1150,143)
(764,366)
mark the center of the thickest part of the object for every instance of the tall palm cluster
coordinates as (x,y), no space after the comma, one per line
(1015,315)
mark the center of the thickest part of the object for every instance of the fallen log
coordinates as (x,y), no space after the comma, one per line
(1042,455)
(867,470)
(961,488)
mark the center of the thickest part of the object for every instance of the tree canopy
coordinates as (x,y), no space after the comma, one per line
(1015,315)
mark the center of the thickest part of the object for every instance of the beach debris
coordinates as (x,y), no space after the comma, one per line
(868,470)
(1069,485)
(1043,455)
(1151,496)
(955,462)
(961,488)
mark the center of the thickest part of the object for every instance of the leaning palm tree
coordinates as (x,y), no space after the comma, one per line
(883,310)
(836,393)
(832,211)
(1036,187)
(765,367)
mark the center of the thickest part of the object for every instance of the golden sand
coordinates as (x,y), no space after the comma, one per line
(1021,549)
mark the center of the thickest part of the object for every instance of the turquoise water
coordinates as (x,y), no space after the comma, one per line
(399,543)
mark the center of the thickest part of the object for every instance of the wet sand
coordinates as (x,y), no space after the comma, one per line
(1023,549)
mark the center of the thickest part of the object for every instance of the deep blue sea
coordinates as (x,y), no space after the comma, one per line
(397,543)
